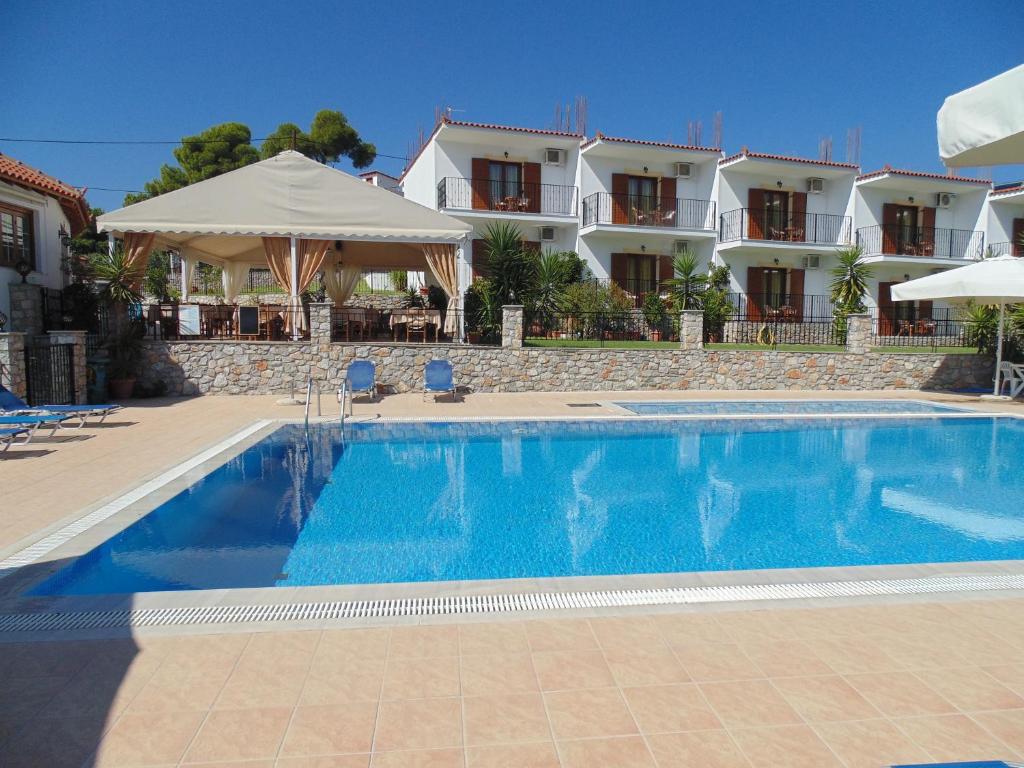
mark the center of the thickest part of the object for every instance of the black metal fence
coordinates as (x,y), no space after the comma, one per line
(931,242)
(773,319)
(648,211)
(907,326)
(433,326)
(266,322)
(50,373)
(596,329)
(1004,249)
(788,307)
(507,196)
(780,225)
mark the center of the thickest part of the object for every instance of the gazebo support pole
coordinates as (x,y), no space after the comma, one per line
(460,262)
(293,299)
(183,277)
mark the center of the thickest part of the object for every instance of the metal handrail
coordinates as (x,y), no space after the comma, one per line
(343,395)
(309,393)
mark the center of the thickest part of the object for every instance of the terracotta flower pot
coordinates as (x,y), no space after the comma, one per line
(121,389)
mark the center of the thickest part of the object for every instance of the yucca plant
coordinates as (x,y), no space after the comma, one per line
(512,268)
(120,284)
(981,326)
(850,280)
(686,287)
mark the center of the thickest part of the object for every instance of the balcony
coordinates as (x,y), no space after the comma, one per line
(776,225)
(507,197)
(926,242)
(646,211)
(1005,249)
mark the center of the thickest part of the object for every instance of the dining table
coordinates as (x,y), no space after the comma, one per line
(401,317)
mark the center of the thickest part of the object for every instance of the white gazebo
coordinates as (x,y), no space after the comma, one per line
(984,125)
(295,216)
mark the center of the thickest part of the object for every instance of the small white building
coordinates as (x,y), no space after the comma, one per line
(38,215)
(381,179)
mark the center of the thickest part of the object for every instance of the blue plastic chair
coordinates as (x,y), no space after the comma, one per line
(13,405)
(361,377)
(9,435)
(438,378)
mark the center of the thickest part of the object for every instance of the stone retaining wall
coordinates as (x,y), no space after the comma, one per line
(230,367)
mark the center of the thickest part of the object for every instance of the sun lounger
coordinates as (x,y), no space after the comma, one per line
(438,378)
(9,435)
(33,422)
(361,377)
(12,405)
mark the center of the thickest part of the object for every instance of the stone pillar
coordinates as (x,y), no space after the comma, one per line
(12,363)
(512,325)
(691,329)
(859,335)
(320,322)
(26,308)
(81,378)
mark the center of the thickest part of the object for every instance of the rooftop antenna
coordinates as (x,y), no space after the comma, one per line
(853,142)
(716,130)
(825,149)
(694,129)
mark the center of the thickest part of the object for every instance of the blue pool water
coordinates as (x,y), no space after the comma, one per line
(785,407)
(442,501)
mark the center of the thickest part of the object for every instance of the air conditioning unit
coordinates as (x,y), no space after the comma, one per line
(547,234)
(944,199)
(554,156)
(680,246)
(684,170)
(810,261)
(815,186)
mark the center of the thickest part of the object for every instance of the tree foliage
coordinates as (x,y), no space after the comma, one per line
(330,137)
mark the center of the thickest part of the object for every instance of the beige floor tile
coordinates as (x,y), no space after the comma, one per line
(899,694)
(239,734)
(329,730)
(424,642)
(666,708)
(345,644)
(419,724)
(785,658)
(1007,726)
(645,666)
(560,635)
(870,743)
(337,682)
(748,703)
(273,647)
(755,626)
(65,742)
(505,719)
(970,689)
(621,752)
(1010,675)
(589,713)
(174,688)
(419,758)
(824,699)
(492,639)
(696,749)
(788,746)
(716,661)
(854,655)
(539,755)
(626,632)
(683,628)
(317,761)
(953,737)
(917,652)
(421,678)
(263,685)
(565,670)
(148,738)
(488,675)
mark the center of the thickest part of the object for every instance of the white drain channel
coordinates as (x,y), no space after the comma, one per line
(507,603)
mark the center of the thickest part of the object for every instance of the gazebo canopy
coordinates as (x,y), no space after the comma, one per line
(288,195)
(984,125)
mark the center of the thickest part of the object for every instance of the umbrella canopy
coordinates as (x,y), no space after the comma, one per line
(984,125)
(992,281)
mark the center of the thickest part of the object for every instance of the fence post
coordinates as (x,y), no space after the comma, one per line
(512,325)
(859,334)
(691,329)
(26,308)
(320,322)
(79,373)
(12,363)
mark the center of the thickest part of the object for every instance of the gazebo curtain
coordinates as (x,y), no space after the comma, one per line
(309,256)
(188,269)
(442,262)
(234,276)
(137,247)
(340,281)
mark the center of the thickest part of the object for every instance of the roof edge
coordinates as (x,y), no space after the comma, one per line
(743,153)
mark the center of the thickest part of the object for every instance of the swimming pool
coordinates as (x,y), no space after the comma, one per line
(414,502)
(785,407)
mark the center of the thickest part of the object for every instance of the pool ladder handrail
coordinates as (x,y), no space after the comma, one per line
(343,395)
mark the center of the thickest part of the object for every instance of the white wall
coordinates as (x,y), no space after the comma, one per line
(734,186)
(596,172)
(418,184)
(596,249)
(999,219)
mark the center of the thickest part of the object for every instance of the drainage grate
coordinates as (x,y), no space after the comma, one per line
(507,603)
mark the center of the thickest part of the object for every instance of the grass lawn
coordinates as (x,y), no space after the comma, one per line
(927,350)
(594,343)
(780,347)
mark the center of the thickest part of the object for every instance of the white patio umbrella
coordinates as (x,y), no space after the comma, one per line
(992,281)
(984,125)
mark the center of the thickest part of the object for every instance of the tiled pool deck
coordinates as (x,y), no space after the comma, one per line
(867,684)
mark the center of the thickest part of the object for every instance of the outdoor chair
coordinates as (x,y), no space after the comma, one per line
(13,405)
(1011,377)
(438,379)
(8,436)
(417,325)
(32,422)
(361,377)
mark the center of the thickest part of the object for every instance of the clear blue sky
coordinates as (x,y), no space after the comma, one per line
(784,74)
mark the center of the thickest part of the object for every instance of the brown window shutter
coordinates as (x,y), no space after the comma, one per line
(481,183)
(668,200)
(480,267)
(798,216)
(755,292)
(886,310)
(926,238)
(889,226)
(796,293)
(1017,238)
(666,271)
(924,310)
(531,187)
(755,214)
(620,272)
(620,190)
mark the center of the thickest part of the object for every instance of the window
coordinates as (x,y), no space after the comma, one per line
(775,214)
(641,275)
(643,197)
(906,229)
(16,236)
(506,182)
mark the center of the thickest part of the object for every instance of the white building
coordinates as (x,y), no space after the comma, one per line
(381,179)
(38,214)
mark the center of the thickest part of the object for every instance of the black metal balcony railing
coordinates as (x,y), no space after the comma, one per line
(768,224)
(648,211)
(784,307)
(930,242)
(906,325)
(507,196)
(1004,249)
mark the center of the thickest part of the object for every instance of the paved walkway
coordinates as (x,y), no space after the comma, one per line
(867,685)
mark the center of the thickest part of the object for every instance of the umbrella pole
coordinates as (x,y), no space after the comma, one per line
(999,348)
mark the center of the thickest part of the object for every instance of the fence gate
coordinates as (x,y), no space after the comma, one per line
(49,369)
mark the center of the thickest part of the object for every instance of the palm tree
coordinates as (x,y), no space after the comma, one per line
(686,287)
(850,280)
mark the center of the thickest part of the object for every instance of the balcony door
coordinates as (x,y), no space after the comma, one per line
(642,198)
(775,293)
(776,214)
(506,184)
(907,235)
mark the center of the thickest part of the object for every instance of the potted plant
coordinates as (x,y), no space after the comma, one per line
(654,315)
(125,350)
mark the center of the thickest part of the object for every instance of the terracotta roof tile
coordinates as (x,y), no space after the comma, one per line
(1007,190)
(72,200)
(514,128)
(601,137)
(921,175)
(786,158)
